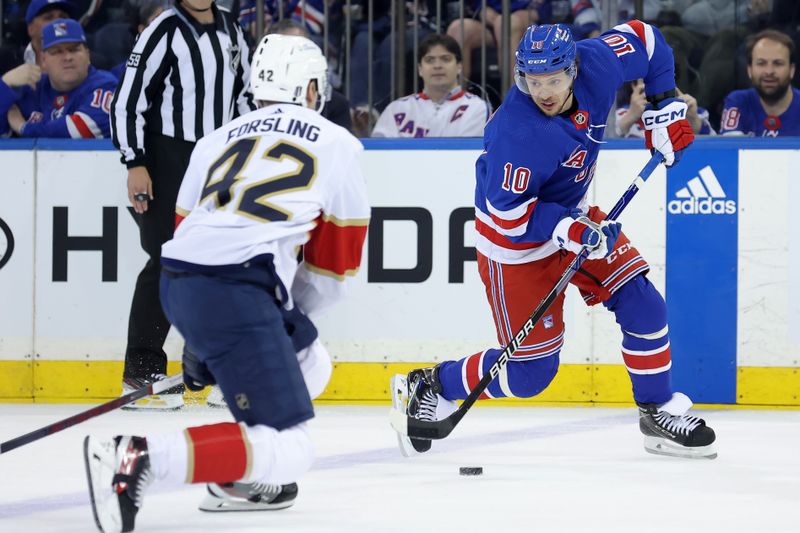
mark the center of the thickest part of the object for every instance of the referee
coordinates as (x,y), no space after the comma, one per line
(188,74)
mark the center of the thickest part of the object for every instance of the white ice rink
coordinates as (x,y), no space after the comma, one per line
(545,470)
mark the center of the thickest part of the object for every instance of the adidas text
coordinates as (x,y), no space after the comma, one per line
(702,206)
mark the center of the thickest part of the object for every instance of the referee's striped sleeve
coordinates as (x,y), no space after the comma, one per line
(244,97)
(145,69)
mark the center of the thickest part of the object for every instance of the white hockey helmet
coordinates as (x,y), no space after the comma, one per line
(282,67)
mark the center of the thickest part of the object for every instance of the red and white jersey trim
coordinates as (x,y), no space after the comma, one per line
(82,126)
(513,221)
(643,31)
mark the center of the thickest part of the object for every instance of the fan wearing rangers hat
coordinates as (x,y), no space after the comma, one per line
(71,101)
(532,216)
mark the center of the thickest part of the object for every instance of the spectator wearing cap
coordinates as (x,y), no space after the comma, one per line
(39,14)
(72,100)
(114,41)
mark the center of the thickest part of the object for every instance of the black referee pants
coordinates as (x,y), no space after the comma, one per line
(167,159)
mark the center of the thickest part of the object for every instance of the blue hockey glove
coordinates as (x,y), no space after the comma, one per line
(577,231)
(196,375)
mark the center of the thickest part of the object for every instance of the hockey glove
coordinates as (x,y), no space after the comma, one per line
(196,375)
(577,231)
(667,130)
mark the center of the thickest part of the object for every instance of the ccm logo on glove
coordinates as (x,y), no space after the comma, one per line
(666,116)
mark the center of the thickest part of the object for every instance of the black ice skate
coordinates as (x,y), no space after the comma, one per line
(668,430)
(170,400)
(118,471)
(248,497)
(417,395)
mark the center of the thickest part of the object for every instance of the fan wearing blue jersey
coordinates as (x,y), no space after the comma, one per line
(72,100)
(772,106)
(533,215)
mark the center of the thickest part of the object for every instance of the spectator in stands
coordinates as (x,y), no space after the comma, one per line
(114,41)
(71,100)
(382,60)
(772,106)
(628,115)
(467,31)
(582,16)
(708,17)
(337,108)
(39,14)
(442,108)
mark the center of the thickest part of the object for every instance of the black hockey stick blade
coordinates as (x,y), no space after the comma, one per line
(154,388)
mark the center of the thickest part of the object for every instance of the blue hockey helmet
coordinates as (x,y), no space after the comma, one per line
(546,48)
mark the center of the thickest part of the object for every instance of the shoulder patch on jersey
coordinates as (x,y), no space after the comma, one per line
(133,60)
(581,119)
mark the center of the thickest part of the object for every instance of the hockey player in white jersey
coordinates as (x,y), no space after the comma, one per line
(442,108)
(258,190)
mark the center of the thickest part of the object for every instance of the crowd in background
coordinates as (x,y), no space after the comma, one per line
(373,48)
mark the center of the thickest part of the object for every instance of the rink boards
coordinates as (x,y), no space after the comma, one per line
(717,231)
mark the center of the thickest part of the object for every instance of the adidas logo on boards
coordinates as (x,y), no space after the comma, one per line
(703,195)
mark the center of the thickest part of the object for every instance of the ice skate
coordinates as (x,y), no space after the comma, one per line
(417,395)
(118,471)
(668,430)
(169,400)
(215,398)
(223,497)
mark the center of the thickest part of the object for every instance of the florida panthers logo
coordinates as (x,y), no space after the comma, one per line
(576,158)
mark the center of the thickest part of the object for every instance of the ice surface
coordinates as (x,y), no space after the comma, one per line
(545,469)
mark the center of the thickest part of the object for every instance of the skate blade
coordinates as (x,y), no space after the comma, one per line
(156,402)
(212,504)
(215,398)
(98,460)
(397,415)
(659,446)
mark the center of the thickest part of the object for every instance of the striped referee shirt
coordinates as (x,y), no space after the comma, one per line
(183,80)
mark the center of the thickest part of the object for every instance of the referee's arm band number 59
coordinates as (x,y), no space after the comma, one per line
(251,201)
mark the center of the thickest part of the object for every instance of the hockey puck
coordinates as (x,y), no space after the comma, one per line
(470,470)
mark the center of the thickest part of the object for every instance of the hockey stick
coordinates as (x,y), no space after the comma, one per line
(439,429)
(154,388)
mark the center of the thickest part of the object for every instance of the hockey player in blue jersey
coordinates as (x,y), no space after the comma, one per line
(72,100)
(772,106)
(532,216)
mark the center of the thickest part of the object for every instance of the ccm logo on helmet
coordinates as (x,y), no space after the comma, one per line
(665,118)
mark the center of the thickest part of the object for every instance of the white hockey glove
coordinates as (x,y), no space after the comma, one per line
(667,130)
(577,231)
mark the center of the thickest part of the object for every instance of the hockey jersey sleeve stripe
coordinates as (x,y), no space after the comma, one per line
(335,246)
(643,31)
(78,128)
(89,122)
(511,217)
(496,238)
(519,222)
